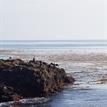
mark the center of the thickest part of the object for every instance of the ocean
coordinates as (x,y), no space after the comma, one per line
(52,44)
(86,60)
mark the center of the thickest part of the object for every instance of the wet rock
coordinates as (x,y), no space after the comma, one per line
(7,94)
(20,79)
(69,80)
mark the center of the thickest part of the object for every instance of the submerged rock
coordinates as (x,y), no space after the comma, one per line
(20,79)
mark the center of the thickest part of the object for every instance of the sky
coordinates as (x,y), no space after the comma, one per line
(53,19)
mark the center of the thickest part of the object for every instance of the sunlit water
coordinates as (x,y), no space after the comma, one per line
(86,92)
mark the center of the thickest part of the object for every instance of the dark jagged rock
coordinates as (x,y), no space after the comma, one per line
(20,79)
(69,79)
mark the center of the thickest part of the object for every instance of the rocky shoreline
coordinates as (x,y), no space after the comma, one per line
(28,79)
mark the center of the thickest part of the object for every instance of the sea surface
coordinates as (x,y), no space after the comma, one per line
(88,90)
(52,44)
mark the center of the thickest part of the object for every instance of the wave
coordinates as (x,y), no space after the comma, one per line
(30,101)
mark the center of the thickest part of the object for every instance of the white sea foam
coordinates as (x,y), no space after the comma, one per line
(26,102)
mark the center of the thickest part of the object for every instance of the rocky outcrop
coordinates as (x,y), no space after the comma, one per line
(22,79)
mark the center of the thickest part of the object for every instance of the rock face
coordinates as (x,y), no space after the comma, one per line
(20,79)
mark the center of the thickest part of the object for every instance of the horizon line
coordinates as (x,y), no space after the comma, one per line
(55,40)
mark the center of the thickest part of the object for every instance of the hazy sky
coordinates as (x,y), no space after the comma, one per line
(53,19)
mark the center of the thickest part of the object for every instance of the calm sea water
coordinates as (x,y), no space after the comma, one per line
(52,44)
